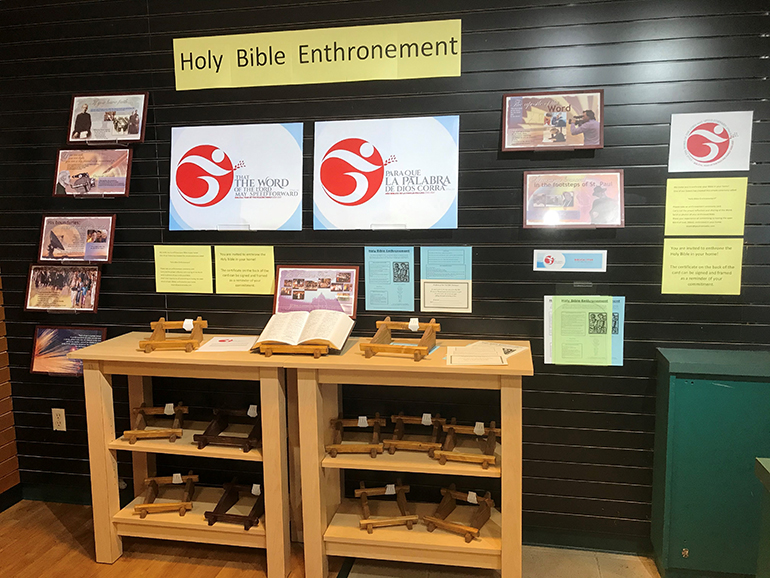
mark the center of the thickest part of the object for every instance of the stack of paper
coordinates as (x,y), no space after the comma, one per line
(482,353)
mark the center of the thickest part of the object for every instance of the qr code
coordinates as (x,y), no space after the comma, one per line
(400,272)
(597,323)
(615,323)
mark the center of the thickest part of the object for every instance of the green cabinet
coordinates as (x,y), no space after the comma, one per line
(712,421)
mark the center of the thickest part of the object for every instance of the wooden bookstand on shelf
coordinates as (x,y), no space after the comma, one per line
(153,489)
(158,338)
(229,498)
(339,425)
(447,506)
(221,421)
(452,430)
(400,492)
(382,340)
(315,350)
(399,443)
(140,430)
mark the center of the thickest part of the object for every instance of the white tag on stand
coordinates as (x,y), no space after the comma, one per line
(363,421)
(390,489)
(414,324)
(252,411)
(256,489)
(427,419)
(169,409)
(176,479)
(188,325)
(472,498)
(479,428)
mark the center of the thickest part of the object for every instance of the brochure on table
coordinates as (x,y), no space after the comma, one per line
(389,277)
(239,177)
(446,280)
(398,173)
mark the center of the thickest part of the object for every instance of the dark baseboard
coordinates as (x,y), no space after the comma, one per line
(587,541)
(57,494)
(10,497)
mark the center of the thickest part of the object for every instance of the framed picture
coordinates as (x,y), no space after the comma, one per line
(313,287)
(63,288)
(93,172)
(574,199)
(553,120)
(77,238)
(52,344)
(108,118)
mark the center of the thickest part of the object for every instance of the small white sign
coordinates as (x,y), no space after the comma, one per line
(710,141)
(363,421)
(573,261)
(427,419)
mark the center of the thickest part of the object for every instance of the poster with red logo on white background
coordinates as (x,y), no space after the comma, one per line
(398,173)
(710,141)
(238,177)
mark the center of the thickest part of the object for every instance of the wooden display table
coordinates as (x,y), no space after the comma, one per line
(331,523)
(121,356)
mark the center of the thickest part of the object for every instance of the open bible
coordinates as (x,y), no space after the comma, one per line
(319,327)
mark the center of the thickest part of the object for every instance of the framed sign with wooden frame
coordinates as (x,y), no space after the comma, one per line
(87,238)
(73,288)
(108,118)
(316,287)
(93,173)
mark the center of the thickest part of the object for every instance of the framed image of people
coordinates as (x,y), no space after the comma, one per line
(553,120)
(77,238)
(65,288)
(108,118)
(574,199)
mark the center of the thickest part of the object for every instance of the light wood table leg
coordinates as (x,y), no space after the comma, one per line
(100,416)
(275,468)
(295,471)
(510,409)
(140,391)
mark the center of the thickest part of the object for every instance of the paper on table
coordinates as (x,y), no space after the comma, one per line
(461,356)
(505,350)
(229,343)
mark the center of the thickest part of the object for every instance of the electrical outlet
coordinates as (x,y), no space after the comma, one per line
(59,421)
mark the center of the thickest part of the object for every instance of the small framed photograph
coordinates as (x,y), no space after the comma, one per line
(77,238)
(93,173)
(73,288)
(574,199)
(553,120)
(108,118)
(315,287)
(52,344)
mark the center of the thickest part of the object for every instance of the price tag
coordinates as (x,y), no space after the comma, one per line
(414,324)
(252,411)
(390,489)
(427,419)
(188,325)
(479,428)
(176,479)
(473,498)
(256,489)
(169,409)
(363,421)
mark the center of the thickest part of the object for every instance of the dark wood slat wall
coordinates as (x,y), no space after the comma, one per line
(588,431)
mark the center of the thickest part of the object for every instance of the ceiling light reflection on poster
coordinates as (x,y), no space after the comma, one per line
(240,177)
(386,173)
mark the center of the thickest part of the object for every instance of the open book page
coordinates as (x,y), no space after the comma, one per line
(284,328)
(327,326)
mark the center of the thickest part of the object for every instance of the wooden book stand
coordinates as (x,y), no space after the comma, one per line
(486,458)
(447,506)
(382,340)
(153,488)
(230,497)
(399,443)
(315,350)
(400,491)
(158,338)
(222,419)
(140,430)
(373,448)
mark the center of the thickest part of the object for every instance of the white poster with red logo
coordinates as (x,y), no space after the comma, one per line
(710,141)
(398,173)
(240,177)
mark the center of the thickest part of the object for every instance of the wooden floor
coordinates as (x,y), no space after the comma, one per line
(57,541)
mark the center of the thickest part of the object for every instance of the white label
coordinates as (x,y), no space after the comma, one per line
(427,419)
(188,325)
(414,324)
(252,411)
(169,409)
(479,428)
(363,421)
(176,479)
(472,498)
(390,489)
(256,489)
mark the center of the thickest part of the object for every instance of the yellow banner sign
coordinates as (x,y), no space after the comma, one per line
(379,52)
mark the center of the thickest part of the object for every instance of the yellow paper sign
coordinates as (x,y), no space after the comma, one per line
(379,52)
(183,269)
(247,270)
(702,266)
(706,206)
